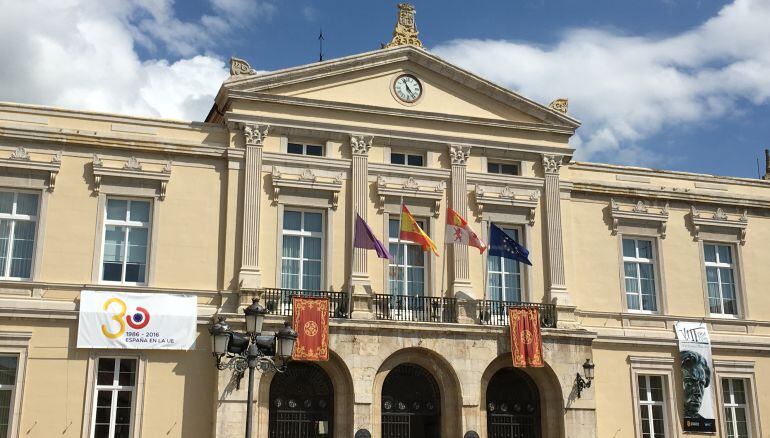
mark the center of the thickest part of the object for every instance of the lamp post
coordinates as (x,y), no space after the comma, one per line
(251,349)
(580,382)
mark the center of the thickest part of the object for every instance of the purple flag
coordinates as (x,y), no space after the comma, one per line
(364,238)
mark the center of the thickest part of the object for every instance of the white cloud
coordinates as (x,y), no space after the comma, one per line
(83,54)
(626,89)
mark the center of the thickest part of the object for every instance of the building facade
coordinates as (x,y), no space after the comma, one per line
(259,200)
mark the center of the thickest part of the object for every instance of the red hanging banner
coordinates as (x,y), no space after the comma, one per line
(526,342)
(311,321)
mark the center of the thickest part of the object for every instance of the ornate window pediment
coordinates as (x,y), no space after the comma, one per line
(639,213)
(720,221)
(20,159)
(307,179)
(411,188)
(508,196)
(132,169)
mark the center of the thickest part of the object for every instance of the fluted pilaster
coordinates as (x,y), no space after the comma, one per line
(359,187)
(557,288)
(459,156)
(249,274)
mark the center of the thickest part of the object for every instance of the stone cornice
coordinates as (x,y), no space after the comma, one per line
(341,132)
(101,141)
(638,212)
(669,174)
(307,179)
(671,194)
(395,112)
(530,182)
(411,188)
(20,159)
(721,220)
(132,169)
(509,197)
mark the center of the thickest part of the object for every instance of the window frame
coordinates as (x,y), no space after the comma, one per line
(734,406)
(114,389)
(89,412)
(127,224)
(501,164)
(655,272)
(744,370)
(648,403)
(424,224)
(14,218)
(520,232)
(16,344)
(654,366)
(650,234)
(406,159)
(304,148)
(302,234)
(734,267)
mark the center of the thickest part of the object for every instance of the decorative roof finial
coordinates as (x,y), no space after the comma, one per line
(405,31)
(240,67)
(560,105)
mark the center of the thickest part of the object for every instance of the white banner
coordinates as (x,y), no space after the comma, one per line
(136,321)
(697,376)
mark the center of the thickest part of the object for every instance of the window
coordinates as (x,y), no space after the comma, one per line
(302,248)
(503,168)
(407,159)
(652,406)
(18,220)
(720,279)
(736,408)
(639,275)
(8,368)
(407,272)
(114,398)
(504,275)
(305,149)
(126,231)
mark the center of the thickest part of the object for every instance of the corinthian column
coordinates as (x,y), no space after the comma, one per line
(557,288)
(249,276)
(359,189)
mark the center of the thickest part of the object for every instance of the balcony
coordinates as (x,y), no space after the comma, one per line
(415,308)
(493,312)
(278,301)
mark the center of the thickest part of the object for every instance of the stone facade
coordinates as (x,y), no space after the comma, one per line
(219,191)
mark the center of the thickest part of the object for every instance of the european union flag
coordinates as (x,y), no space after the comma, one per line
(503,245)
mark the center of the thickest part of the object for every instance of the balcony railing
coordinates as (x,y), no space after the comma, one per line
(415,308)
(493,312)
(278,301)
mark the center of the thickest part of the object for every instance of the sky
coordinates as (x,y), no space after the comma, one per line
(669,84)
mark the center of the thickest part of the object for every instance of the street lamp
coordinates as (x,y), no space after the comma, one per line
(580,382)
(251,350)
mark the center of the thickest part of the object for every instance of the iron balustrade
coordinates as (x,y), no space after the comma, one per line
(494,312)
(415,308)
(278,301)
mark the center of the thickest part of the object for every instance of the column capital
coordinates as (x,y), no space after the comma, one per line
(360,145)
(253,134)
(459,154)
(552,163)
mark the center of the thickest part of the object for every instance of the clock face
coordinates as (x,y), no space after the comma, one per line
(407,88)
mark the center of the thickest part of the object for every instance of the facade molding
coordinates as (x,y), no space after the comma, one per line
(307,180)
(507,196)
(132,169)
(20,159)
(719,220)
(411,188)
(638,213)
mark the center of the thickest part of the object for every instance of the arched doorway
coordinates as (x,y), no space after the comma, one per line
(301,403)
(411,403)
(513,405)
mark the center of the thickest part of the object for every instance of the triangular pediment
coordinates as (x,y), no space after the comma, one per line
(366,80)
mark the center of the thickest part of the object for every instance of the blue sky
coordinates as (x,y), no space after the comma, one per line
(674,84)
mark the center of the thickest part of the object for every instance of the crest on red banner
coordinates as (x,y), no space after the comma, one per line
(526,342)
(311,321)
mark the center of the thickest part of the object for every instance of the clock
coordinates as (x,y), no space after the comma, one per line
(408,88)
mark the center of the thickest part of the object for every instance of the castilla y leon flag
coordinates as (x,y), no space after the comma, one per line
(412,232)
(526,342)
(311,321)
(458,231)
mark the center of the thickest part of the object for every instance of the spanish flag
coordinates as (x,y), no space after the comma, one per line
(411,232)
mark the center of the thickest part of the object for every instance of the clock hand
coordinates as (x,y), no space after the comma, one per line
(407,88)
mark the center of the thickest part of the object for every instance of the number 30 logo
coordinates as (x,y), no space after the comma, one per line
(137,321)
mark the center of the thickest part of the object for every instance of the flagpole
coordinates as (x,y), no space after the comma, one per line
(486,264)
(352,263)
(400,217)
